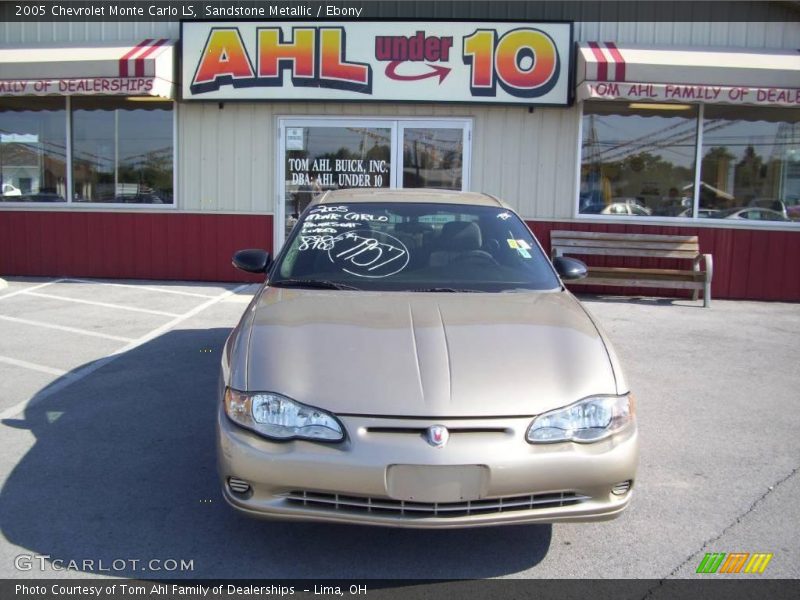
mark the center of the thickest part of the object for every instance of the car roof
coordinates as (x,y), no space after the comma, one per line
(424,195)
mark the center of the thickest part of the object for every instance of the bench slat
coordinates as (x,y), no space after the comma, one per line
(653,283)
(602,235)
(631,252)
(644,245)
(649,273)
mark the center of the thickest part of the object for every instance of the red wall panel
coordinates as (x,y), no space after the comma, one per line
(172,245)
(749,264)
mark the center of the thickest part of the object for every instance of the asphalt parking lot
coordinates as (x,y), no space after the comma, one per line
(107,401)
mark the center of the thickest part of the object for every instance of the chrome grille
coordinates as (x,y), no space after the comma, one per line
(388,506)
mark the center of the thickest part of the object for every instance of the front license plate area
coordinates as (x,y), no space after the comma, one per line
(425,483)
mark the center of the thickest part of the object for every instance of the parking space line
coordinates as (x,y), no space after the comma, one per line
(80,373)
(32,366)
(65,328)
(104,304)
(30,289)
(150,288)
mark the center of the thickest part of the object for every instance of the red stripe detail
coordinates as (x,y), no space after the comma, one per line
(140,59)
(612,47)
(123,62)
(602,63)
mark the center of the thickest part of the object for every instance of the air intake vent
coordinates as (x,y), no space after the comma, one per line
(389,507)
(237,485)
(452,430)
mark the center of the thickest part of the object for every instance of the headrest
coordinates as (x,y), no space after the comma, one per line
(459,236)
(413,227)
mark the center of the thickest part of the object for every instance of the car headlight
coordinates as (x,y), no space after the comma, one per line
(278,417)
(587,420)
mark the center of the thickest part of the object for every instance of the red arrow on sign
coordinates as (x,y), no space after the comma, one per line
(436,70)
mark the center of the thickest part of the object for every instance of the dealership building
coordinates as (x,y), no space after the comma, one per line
(155,149)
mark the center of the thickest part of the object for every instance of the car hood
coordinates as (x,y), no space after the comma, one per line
(426,354)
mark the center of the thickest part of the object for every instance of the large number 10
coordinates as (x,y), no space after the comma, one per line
(524,61)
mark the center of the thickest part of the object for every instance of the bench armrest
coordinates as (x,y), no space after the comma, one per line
(709,265)
(708,272)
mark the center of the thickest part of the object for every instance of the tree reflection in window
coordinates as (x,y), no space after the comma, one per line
(33,149)
(751,159)
(637,160)
(122,150)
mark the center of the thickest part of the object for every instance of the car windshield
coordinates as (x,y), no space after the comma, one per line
(413,247)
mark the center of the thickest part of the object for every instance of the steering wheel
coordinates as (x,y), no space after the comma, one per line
(476,256)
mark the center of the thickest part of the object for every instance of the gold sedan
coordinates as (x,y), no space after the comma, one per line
(414,360)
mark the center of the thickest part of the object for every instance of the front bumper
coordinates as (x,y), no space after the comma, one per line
(353,481)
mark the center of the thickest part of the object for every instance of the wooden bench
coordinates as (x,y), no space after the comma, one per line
(639,245)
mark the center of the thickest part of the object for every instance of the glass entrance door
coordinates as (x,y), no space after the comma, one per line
(433,154)
(320,154)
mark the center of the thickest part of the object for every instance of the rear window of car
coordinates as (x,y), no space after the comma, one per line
(414,247)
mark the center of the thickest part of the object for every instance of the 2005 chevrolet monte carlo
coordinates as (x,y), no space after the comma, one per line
(414,360)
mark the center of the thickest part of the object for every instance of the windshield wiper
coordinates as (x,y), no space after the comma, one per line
(313,283)
(446,289)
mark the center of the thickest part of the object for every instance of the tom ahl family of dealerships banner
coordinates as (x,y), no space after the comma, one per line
(505,63)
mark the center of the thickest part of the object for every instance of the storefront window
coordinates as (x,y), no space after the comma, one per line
(638,159)
(122,150)
(33,142)
(750,164)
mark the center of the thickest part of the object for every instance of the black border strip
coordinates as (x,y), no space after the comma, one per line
(461,10)
(707,587)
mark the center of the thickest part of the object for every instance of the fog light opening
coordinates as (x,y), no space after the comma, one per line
(238,486)
(621,488)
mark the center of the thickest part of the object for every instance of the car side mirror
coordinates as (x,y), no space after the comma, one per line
(569,268)
(253,260)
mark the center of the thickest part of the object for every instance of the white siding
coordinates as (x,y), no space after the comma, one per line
(774,35)
(527,159)
(32,33)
